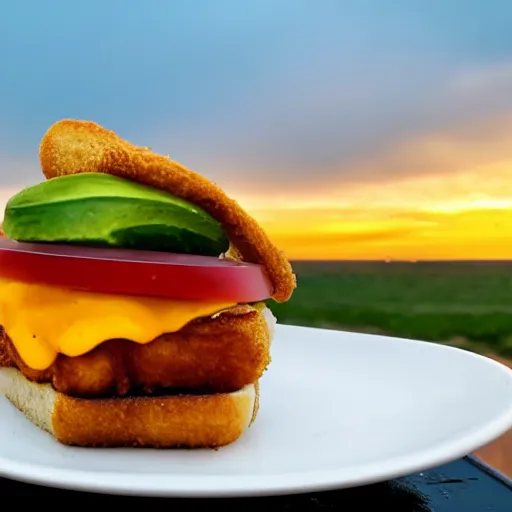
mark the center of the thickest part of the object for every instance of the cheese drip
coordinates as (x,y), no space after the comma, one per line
(44,321)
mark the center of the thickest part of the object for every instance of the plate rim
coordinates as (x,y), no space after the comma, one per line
(213,486)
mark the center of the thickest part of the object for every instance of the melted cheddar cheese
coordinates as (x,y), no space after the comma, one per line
(43,321)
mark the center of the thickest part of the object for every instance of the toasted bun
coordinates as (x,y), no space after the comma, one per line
(176,421)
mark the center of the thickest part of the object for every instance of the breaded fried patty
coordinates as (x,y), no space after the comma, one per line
(218,354)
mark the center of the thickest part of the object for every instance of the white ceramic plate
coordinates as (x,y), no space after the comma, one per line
(337,410)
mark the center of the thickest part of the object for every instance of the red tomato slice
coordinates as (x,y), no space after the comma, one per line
(131,272)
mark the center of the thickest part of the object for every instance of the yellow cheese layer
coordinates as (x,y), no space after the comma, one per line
(43,321)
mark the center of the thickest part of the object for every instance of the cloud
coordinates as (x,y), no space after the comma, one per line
(463,148)
(339,131)
(468,166)
(265,94)
(484,80)
(448,170)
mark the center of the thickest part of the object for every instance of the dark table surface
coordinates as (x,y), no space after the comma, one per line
(466,485)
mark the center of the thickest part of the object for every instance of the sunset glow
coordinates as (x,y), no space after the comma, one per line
(460,210)
(391,233)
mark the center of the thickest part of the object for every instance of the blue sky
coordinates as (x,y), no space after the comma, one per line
(254,93)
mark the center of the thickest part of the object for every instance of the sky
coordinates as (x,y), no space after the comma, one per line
(362,129)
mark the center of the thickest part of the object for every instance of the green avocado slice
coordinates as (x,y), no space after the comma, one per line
(101,210)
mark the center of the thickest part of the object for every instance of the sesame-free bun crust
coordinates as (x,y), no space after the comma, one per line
(179,421)
(71,147)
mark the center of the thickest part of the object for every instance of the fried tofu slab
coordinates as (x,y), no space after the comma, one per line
(218,354)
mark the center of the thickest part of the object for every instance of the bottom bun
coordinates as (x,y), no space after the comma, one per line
(171,421)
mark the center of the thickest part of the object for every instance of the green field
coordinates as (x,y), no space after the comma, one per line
(460,303)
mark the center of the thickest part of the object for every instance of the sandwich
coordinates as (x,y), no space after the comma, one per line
(133,298)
